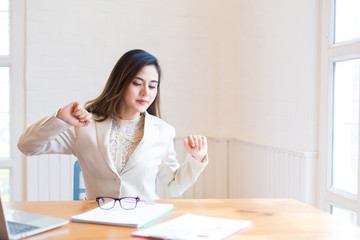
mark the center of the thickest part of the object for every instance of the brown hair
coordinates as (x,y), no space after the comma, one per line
(124,71)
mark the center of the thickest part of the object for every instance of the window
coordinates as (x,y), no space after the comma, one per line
(5,184)
(4,27)
(346,20)
(4,113)
(345,131)
(4,99)
(345,215)
(339,110)
(12,35)
(4,131)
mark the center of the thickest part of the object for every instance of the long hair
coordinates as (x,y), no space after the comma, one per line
(124,71)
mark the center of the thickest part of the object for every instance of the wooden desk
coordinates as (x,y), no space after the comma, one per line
(278,219)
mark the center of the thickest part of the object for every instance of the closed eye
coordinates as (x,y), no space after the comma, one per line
(138,82)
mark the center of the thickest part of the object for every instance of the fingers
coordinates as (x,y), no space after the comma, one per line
(81,114)
(75,115)
(187,145)
(195,142)
(204,142)
(196,146)
(76,105)
(86,120)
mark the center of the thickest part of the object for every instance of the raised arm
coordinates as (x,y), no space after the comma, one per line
(54,134)
(179,176)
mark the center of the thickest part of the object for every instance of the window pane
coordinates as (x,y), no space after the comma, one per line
(344,214)
(347,20)
(4,27)
(5,184)
(4,113)
(346,125)
(4,5)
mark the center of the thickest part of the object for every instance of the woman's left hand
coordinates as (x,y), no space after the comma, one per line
(196,146)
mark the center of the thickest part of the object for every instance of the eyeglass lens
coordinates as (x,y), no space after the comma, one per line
(108,203)
(128,203)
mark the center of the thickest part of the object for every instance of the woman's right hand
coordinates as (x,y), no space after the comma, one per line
(75,115)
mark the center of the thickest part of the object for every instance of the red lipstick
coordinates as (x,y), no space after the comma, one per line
(142,102)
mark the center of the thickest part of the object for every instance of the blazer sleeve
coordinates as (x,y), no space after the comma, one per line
(49,135)
(178,177)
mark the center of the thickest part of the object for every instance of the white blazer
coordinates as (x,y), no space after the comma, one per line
(155,156)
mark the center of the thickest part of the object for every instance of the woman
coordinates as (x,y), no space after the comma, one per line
(121,143)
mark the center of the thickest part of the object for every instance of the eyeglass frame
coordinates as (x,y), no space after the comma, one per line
(137,199)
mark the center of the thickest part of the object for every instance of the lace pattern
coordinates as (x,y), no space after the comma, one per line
(125,135)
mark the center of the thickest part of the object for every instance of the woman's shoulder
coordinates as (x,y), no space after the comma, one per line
(158,121)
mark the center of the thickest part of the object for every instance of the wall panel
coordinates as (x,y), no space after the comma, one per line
(237,169)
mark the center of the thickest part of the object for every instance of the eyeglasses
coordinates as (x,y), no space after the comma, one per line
(127,203)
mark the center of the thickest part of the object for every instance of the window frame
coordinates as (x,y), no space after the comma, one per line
(330,53)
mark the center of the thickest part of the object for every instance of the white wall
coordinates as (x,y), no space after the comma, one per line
(244,69)
(269,65)
(72,47)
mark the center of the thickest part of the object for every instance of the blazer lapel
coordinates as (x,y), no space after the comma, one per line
(149,130)
(103,134)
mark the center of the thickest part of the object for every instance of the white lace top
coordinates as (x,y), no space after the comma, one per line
(125,135)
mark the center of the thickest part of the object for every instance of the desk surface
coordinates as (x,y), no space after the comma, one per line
(272,218)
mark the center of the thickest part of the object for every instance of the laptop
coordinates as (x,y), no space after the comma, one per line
(15,224)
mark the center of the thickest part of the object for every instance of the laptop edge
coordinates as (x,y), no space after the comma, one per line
(52,223)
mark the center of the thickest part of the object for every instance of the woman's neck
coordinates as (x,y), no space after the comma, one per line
(129,116)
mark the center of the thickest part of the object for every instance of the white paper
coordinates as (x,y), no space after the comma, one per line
(193,227)
(143,214)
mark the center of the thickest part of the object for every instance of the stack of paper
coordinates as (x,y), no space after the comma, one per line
(144,214)
(193,227)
